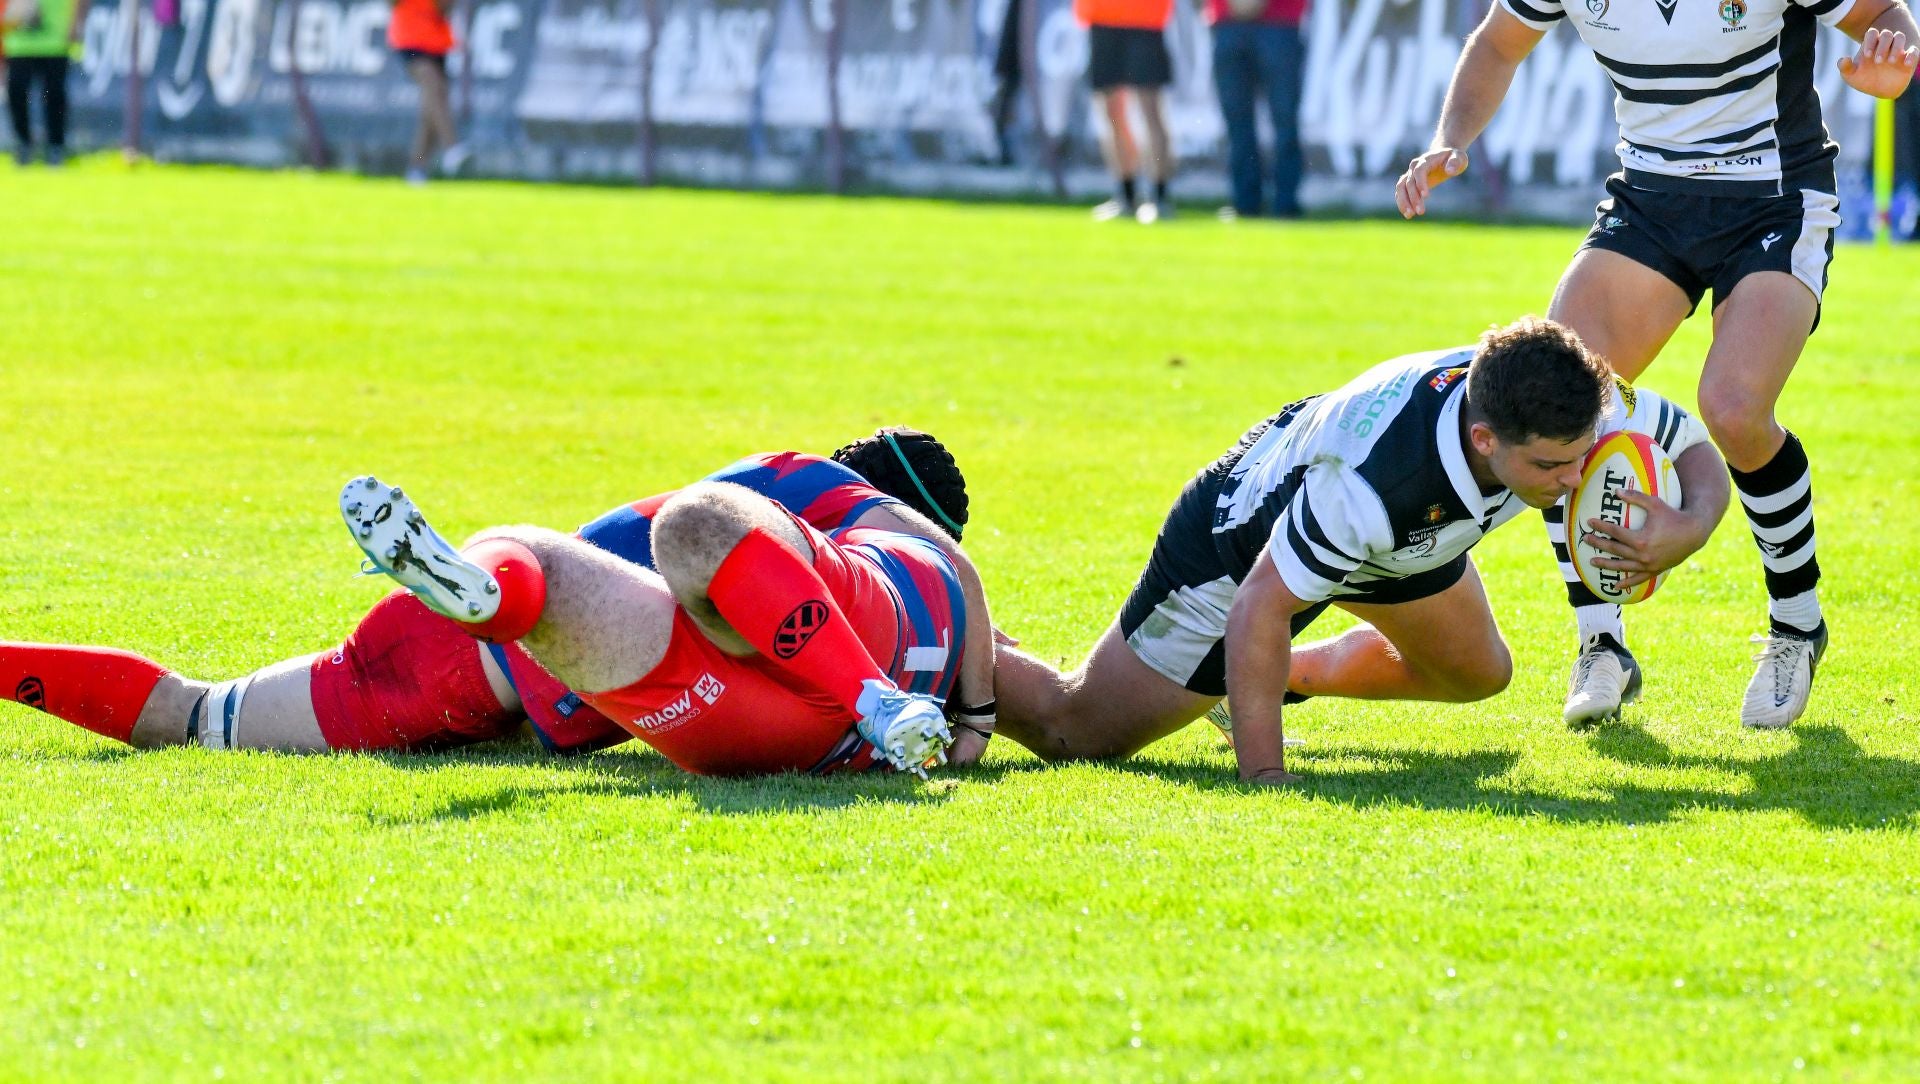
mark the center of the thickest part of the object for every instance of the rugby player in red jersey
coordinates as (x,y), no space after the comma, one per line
(408,679)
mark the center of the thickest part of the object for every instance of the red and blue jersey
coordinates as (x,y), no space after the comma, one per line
(923,641)
(825,494)
(931,610)
(719,714)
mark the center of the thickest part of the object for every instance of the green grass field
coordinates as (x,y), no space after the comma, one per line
(194,360)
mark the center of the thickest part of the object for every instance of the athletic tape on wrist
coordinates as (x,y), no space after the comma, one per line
(980,718)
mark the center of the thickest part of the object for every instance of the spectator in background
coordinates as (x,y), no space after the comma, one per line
(1258,51)
(421,36)
(1006,73)
(39,34)
(1129,61)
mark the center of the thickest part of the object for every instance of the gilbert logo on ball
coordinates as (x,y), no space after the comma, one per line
(1617,462)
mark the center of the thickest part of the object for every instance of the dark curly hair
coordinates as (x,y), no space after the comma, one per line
(914,468)
(1535,378)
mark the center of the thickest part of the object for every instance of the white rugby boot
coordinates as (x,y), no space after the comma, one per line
(1783,680)
(909,729)
(1605,679)
(398,542)
(1221,716)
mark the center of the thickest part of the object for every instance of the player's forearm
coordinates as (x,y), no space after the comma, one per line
(1259,659)
(1899,18)
(1480,83)
(1704,487)
(974,686)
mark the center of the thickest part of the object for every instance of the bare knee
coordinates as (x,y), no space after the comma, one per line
(1040,710)
(1741,425)
(1487,675)
(699,526)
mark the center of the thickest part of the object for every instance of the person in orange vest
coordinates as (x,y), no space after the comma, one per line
(421,36)
(1129,61)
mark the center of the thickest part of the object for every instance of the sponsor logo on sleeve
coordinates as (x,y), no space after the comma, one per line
(1628,397)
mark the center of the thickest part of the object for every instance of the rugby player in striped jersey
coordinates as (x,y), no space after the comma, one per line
(1367,498)
(1727,183)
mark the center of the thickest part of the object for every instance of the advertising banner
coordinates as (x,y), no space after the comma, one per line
(872,94)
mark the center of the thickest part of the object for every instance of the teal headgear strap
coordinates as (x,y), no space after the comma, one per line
(921,487)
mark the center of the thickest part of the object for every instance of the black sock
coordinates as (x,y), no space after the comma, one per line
(1159,191)
(1127,191)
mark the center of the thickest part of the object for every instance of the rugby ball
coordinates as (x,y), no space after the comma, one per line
(1618,461)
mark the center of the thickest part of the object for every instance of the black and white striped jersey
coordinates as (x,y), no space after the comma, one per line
(1713,96)
(1371,482)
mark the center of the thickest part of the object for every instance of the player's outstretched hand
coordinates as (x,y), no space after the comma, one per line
(1423,173)
(1272,777)
(1884,66)
(1666,538)
(967,748)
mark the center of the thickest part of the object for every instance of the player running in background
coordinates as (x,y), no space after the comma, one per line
(1367,498)
(1728,184)
(408,679)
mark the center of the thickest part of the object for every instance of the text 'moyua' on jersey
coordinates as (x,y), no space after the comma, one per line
(1371,482)
(1712,96)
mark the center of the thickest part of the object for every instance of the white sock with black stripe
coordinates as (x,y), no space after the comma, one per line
(1778,499)
(1594,616)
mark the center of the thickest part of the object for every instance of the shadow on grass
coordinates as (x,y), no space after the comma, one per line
(1824,776)
(630,774)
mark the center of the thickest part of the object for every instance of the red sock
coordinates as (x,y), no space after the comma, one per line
(772,597)
(95,687)
(523,590)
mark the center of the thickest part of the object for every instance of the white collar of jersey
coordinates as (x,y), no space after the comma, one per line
(1453,455)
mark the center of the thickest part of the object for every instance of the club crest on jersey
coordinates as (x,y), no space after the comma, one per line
(1732,11)
(1442,380)
(799,627)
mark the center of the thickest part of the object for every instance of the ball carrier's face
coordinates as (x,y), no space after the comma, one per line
(1539,471)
